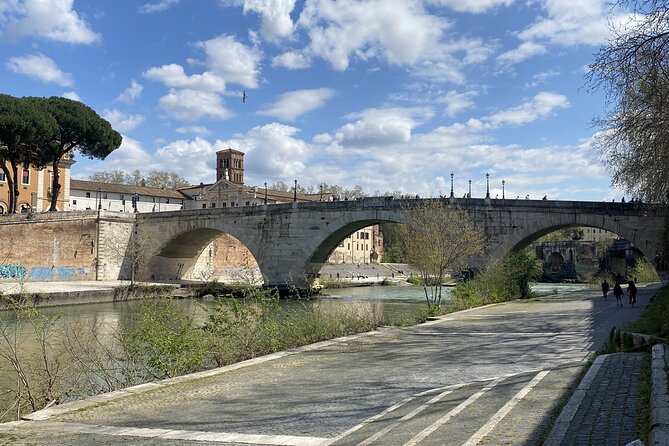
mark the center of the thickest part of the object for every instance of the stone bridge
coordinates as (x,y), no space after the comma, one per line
(291,241)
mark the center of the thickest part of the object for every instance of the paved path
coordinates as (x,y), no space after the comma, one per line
(494,375)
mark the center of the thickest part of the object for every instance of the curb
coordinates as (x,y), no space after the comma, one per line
(659,400)
(561,425)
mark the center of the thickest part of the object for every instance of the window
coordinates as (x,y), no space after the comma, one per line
(153,199)
(88,195)
(104,195)
(349,246)
(2,177)
(204,205)
(248,203)
(167,201)
(212,205)
(25,177)
(74,202)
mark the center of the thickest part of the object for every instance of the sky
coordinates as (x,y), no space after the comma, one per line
(388,95)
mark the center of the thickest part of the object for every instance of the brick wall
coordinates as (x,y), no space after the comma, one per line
(36,248)
(63,246)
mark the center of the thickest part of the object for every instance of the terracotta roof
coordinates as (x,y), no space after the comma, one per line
(93,186)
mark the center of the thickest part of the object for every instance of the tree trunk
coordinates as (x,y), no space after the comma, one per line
(14,189)
(10,186)
(55,186)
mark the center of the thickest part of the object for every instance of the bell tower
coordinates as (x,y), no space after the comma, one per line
(230,166)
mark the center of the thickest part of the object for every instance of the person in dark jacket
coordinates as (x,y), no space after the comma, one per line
(631,292)
(618,292)
(605,288)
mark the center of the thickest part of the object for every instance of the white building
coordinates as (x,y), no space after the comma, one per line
(86,195)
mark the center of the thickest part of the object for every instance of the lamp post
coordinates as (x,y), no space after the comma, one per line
(452,185)
(265,192)
(99,198)
(295,192)
(487,185)
(503,183)
(469,195)
(134,202)
(321,191)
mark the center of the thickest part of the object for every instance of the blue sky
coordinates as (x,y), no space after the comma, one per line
(390,95)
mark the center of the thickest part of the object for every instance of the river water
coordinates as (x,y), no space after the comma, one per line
(108,319)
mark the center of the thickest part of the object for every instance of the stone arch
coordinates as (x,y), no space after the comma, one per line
(320,248)
(549,223)
(554,262)
(177,251)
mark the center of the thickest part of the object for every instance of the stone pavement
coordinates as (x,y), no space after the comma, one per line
(606,407)
(490,376)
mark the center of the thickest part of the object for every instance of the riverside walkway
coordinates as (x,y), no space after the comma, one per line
(488,376)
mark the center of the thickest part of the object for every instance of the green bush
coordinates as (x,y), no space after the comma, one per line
(510,279)
(643,272)
(165,343)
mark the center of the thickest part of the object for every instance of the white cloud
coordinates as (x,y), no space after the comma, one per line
(540,106)
(456,102)
(295,103)
(122,122)
(401,34)
(542,77)
(159,6)
(275,17)
(523,52)
(195,160)
(52,20)
(445,62)
(40,67)
(273,151)
(195,130)
(567,25)
(292,60)
(475,6)
(192,105)
(232,61)
(173,76)
(72,95)
(379,127)
(131,153)
(132,93)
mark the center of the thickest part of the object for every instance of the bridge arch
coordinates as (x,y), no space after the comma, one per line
(551,223)
(178,250)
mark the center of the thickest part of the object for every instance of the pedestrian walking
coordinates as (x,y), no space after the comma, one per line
(605,288)
(618,292)
(631,292)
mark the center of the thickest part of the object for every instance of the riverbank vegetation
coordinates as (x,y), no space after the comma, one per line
(160,342)
(509,279)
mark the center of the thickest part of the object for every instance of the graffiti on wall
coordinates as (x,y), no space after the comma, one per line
(42,273)
(16,271)
(12,271)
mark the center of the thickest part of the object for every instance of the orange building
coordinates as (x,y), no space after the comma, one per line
(35,188)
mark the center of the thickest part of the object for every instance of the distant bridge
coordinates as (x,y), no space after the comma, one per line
(291,241)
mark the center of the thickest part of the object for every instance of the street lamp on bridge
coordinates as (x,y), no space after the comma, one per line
(265,192)
(452,185)
(469,195)
(503,183)
(295,192)
(487,185)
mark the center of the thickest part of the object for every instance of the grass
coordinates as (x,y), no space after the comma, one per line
(655,320)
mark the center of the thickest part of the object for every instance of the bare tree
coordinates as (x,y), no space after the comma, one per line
(439,238)
(632,70)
